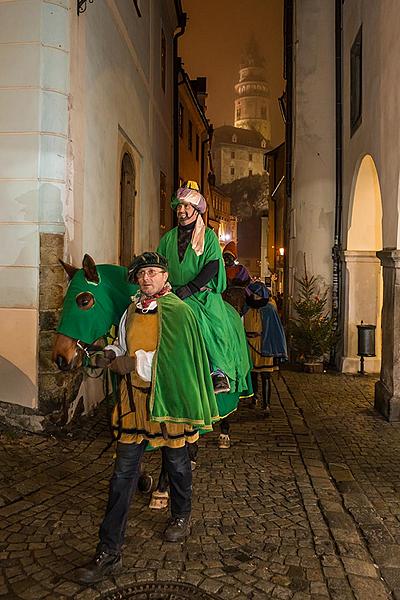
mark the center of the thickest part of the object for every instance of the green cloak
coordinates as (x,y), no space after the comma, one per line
(220,324)
(182,389)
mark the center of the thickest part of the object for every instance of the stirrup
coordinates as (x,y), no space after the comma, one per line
(224,441)
(159,500)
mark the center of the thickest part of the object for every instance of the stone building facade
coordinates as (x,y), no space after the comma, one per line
(237,153)
(345,172)
(86,138)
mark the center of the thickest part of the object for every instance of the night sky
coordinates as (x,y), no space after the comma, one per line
(216,33)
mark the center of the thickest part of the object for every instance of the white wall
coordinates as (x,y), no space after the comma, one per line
(378,134)
(116,84)
(34,82)
(313,191)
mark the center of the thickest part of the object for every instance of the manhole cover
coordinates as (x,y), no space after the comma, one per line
(160,591)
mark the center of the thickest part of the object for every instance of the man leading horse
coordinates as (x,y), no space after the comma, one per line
(166,396)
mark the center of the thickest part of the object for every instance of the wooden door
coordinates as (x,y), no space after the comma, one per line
(127,211)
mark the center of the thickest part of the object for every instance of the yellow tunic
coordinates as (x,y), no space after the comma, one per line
(142,334)
(253,327)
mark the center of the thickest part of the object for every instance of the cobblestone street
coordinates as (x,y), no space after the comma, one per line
(305,505)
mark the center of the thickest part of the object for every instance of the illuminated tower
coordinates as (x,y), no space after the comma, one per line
(252,93)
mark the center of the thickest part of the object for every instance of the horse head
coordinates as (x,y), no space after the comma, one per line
(96,298)
(235,295)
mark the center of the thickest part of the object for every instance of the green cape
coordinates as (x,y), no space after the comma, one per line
(220,324)
(182,389)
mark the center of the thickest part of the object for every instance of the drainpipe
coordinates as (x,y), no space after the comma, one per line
(288,76)
(203,157)
(182,18)
(337,243)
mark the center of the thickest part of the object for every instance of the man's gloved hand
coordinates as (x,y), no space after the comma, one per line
(183,292)
(103,359)
(123,364)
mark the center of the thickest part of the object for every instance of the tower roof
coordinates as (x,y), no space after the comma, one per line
(226,134)
(251,56)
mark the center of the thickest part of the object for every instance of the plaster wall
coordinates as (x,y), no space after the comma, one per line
(377,134)
(34,83)
(189,162)
(313,191)
(117,99)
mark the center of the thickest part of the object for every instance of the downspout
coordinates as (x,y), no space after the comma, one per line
(208,140)
(288,76)
(182,18)
(337,243)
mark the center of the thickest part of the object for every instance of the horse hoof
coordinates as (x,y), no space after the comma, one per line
(145,483)
(159,500)
(224,441)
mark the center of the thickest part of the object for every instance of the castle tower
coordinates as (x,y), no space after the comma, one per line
(252,93)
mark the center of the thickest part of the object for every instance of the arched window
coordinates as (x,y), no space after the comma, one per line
(127,210)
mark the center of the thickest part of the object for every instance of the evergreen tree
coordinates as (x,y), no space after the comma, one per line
(313,330)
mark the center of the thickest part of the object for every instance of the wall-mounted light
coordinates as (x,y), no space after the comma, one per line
(81,6)
(281,251)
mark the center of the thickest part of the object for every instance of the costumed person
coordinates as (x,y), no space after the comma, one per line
(236,274)
(197,276)
(265,336)
(166,397)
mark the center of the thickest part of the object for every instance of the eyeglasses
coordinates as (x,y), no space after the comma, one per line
(149,272)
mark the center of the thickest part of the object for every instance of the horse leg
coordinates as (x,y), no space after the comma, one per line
(145,481)
(224,441)
(193,450)
(160,497)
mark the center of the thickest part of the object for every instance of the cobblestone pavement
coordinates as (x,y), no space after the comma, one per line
(305,505)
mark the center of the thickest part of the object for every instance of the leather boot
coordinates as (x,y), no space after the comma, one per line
(254,383)
(178,529)
(103,565)
(266,392)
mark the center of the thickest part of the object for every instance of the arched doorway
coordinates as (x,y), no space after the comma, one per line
(363,273)
(127,210)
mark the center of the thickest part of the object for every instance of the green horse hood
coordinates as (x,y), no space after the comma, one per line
(112,295)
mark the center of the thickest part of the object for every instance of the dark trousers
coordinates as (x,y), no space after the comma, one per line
(123,486)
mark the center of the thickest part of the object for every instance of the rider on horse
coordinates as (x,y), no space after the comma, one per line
(197,276)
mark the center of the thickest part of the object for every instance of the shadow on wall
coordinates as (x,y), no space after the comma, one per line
(15,384)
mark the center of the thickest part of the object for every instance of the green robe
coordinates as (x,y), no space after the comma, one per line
(220,324)
(181,389)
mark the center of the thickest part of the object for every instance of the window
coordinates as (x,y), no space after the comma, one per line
(250,156)
(180,118)
(356,83)
(232,170)
(190,135)
(234,138)
(250,172)
(238,113)
(263,144)
(197,147)
(163,59)
(232,154)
